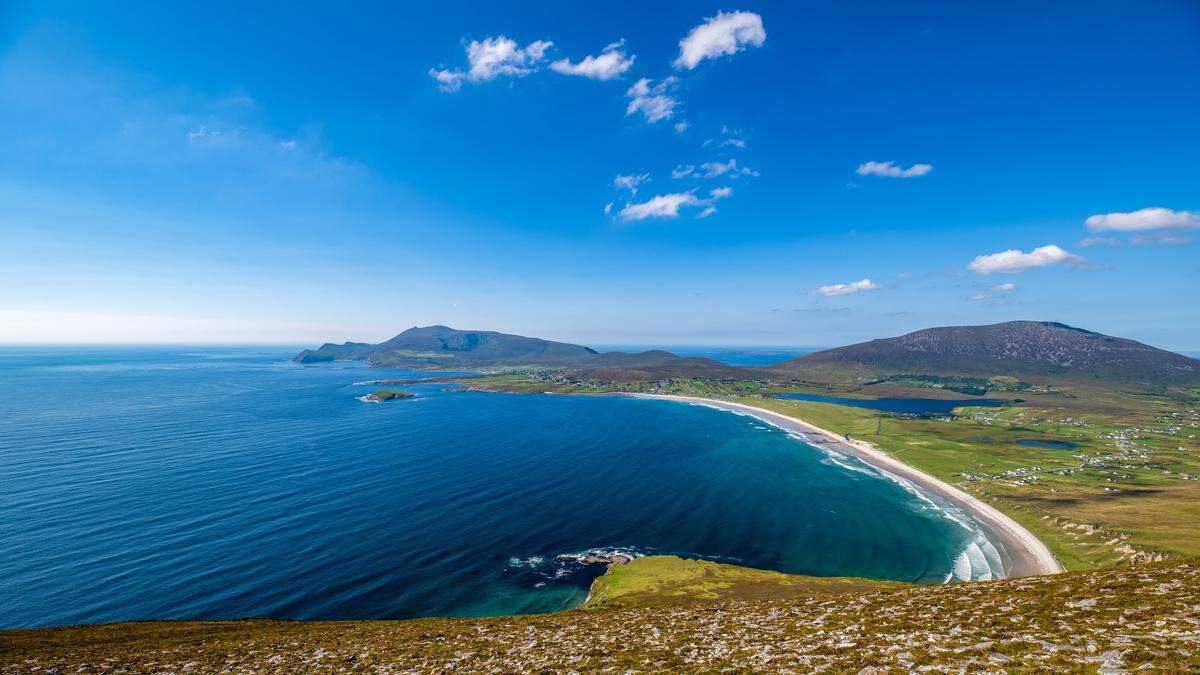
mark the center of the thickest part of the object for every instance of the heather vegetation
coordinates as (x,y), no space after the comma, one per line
(1115,620)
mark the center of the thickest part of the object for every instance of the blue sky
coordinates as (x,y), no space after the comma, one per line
(292,173)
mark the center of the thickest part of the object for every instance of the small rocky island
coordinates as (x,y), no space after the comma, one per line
(597,558)
(385,395)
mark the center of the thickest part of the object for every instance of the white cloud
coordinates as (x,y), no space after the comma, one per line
(682,171)
(834,290)
(890,170)
(653,101)
(668,206)
(681,126)
(1154,218)
(661,206)
(630,183)
(995,292)
(735,142)
(490,59)
(730,168)
(714,195)
(449,81)
(1013,260)
(1098,241)
(206,135)
(610,65)
(720,35)
(608,208)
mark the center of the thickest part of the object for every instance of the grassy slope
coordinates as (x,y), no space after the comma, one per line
(1147,510)
(659,581)
(1124,617)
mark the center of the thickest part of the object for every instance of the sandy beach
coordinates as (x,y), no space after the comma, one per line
(1028,554)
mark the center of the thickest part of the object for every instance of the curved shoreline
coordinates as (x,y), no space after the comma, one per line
(1029,556)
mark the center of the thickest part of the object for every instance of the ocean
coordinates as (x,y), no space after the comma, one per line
(223,482)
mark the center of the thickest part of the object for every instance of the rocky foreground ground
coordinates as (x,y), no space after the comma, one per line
(1127,619)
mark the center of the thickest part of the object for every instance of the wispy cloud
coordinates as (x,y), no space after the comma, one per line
(669,205)
(713,196)
(1153,218)
(681,126)
(721,35)
(659,206)
(490,59)
(890,170)
(682,171)
(729,169)
(1159,240)
(1013,261)
(609,65)
(631,182)
(654,102)
(734,142)
(834,290)
(995,292)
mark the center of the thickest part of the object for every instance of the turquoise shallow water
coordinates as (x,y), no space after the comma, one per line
(141,483)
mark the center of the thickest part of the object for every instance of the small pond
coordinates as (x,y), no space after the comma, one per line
(1045,443)
(903,406)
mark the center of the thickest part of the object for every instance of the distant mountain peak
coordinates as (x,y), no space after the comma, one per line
(441,346)
(1046,349)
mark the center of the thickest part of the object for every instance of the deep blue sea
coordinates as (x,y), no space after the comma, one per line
(140,483)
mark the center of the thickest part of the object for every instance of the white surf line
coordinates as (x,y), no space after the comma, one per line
(1029,554)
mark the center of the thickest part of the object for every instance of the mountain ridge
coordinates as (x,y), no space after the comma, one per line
(422,347)
(1043,349)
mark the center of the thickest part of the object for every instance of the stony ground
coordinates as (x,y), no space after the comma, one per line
(1127,619)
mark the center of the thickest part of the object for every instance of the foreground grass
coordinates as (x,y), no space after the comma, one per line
(661,581)
(1125,618)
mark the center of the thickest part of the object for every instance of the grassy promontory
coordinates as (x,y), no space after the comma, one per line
(662,581)
(1127,618)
